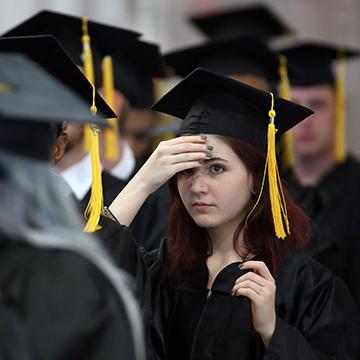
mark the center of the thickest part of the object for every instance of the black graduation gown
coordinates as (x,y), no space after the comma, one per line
(150,223)
(333,208)
(316,316)
(67,307)
(13,339)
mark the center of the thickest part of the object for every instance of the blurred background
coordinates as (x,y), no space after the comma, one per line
(165,22)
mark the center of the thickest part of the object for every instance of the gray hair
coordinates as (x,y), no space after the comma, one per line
(33,209)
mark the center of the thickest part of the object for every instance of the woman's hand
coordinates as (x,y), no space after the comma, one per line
(173,156)
(259,286)
(169,158)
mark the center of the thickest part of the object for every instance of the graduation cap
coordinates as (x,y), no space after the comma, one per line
(30,100)
(233,55)
(68,29)
(134,67)
(139,59)
(256,20)
(310,64)
(46,51)
(212,104)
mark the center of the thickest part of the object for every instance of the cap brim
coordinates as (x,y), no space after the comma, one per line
(46,51)
(34,95)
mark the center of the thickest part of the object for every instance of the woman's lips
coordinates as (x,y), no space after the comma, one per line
(200,206)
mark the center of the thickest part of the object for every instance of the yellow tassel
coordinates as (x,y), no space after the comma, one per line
(277,199)
(111,133)
(340,144)
(276,194)
(95,205)
(284,92)
(91,140)
(88,71)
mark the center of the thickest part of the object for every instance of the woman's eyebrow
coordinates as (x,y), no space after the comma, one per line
(216,159)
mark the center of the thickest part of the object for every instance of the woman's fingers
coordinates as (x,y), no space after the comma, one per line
(249,293)
(188,139)
(189,147)
(190,156)
(259,268)
(253,277)
(248,284)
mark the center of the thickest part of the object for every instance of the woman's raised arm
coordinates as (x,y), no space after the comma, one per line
(170,157)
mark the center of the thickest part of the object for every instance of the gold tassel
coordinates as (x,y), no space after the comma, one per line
(340,128)
(276,194)
(284,92)
(88,71)
(91,139)
(111,133)
(277,199)
(95,205)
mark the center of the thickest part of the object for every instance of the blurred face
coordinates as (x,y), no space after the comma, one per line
(217,193)
(135,131)
(75,135)
(252,80)
(315,136)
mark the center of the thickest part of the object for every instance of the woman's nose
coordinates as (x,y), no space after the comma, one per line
(198,183)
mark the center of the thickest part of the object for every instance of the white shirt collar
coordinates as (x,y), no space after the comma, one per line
(78,177)
(125,167)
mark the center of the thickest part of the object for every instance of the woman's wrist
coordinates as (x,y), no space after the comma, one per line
(267,335)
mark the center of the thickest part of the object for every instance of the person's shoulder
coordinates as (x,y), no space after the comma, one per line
(298,267)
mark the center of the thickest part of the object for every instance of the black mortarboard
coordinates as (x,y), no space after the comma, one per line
(46,51)
(311,63)
(134,67)
(233,55)
(30,100)
(68,30)
(256,20)
(138,61)
(210,103)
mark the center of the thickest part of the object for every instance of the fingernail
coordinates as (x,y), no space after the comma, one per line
(201,162)
(210,147)
(203,137)
(209,154)
(241,265)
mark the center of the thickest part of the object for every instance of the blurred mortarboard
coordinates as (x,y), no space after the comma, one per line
(30,100)
(213,104)
(46,51)
(138,61)
(233,55)
(256,20)
(134,67)
(68,30)
(311,63)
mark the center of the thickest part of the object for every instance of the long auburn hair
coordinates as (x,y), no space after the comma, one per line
(190,244)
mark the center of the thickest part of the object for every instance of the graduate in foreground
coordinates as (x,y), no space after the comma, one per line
(65,298)
(230,281)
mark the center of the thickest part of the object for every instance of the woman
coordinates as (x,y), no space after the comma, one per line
(223,285)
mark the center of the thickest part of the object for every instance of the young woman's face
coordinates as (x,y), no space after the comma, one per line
(217,193)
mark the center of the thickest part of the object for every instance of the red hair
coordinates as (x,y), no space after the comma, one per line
(190,244)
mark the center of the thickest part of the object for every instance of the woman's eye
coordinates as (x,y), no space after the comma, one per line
(216,169)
